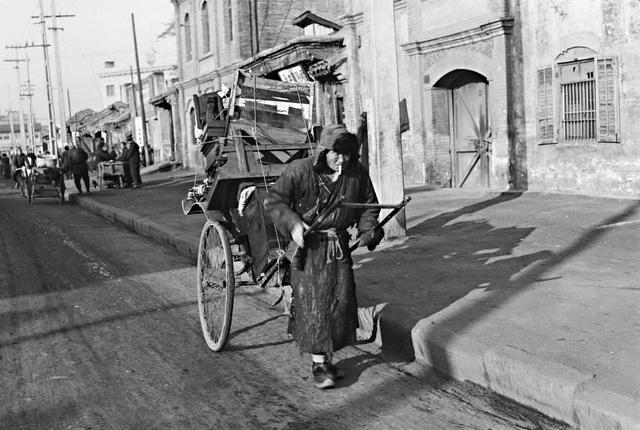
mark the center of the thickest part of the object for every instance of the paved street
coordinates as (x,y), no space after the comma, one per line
(100,330)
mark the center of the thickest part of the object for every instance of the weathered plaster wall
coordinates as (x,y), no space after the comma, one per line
(611,28)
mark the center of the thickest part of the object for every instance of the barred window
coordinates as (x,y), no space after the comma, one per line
(581,105)
(578,90)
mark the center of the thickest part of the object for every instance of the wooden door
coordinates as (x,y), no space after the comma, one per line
(471,136)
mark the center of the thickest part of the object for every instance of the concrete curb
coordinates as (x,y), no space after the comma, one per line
(556,390)
(140,225)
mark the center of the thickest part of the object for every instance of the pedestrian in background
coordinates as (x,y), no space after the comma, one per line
(19,161)
(324,310)
(102,154)
(5,167)
(31,157)
(133,160)
(64,162)
(79,168)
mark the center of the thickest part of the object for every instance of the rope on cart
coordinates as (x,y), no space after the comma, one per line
(306,125)
(264,176)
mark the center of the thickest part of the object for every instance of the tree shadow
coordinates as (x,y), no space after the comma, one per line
(442,262)
(511,288)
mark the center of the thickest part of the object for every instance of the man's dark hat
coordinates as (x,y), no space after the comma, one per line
(336,137)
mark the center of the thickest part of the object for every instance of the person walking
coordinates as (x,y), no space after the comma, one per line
(133,160)
(19,161)
(78,166)
(64,162)
(5,167)
(324,308)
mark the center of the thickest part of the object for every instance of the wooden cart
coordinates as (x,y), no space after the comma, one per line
(248,138)
(110,173)
(36,183)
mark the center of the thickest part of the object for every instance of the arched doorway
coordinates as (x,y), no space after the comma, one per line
(469,127)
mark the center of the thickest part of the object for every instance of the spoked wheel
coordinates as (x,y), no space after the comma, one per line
(216,284)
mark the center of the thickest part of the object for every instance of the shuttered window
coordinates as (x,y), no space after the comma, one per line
(585,108)
(607,96)
(545,105)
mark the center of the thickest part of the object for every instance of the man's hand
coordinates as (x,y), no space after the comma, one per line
(297,233)
(371,238)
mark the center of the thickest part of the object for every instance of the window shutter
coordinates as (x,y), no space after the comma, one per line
(545,116)
(438,160)
(607,99)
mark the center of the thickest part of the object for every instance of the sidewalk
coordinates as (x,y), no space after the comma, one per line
(534,296)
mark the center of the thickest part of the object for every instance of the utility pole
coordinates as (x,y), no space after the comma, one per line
(144,118)
(10,113)
(29,91)
(60,89)
(53,141)
(23,139)
(13,132)
(133,93)
(29,95)
(69,101)
(56,52)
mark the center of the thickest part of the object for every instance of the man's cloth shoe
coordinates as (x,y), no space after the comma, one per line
(322,375)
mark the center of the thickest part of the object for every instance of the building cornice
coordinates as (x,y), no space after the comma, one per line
(491,29)
(119,73)
(352,19)
(399,4)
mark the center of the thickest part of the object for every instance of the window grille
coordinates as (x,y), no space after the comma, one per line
(578,92)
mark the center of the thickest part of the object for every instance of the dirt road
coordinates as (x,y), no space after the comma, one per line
(99,330)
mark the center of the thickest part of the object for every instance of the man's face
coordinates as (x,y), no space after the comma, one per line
(337,162)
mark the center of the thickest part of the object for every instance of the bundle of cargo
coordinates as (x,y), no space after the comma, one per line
(48,175)
(46,161)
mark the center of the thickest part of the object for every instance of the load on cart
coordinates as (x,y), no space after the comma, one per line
(42,180)
(249,136)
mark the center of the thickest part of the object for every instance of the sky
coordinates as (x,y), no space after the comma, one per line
(100,31)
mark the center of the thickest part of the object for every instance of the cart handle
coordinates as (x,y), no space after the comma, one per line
(296,259)
(396,208)
(324,215)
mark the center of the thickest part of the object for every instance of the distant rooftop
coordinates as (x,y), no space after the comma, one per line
(307,18)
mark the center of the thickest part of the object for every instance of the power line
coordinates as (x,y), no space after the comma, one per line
(47,69)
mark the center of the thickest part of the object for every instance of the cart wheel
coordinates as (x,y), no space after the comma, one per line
(216,284)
